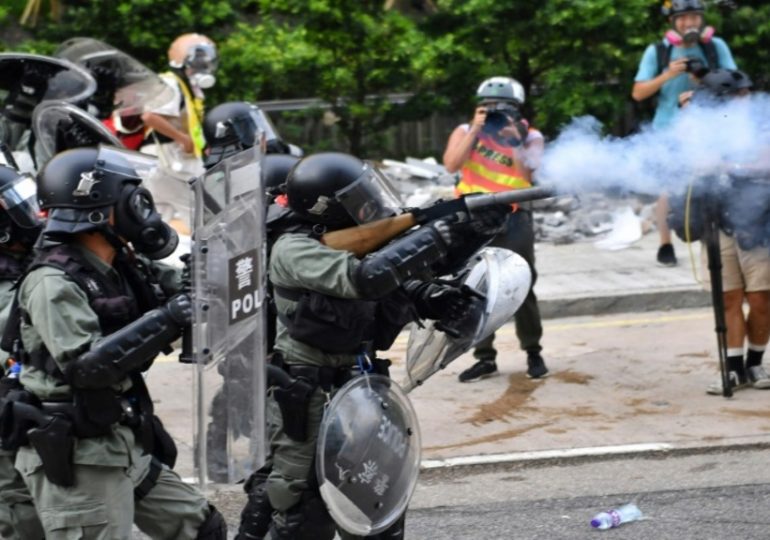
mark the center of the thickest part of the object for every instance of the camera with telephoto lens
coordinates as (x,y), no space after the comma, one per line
(501,115)
(696,66)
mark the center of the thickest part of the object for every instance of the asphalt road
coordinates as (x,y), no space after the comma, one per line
(714,495)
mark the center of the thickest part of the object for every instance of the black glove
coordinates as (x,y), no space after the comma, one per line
(180,309)
(185,278)
(448,232)
(490,220)
(439,301)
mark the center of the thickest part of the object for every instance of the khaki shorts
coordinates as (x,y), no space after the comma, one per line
(741,270)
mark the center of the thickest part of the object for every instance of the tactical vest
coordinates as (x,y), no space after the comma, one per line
(115,305)
(11,268)
(490,168)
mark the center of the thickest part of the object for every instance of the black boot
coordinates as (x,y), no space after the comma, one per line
(257,514)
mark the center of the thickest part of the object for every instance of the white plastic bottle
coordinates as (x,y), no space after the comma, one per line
(616,517)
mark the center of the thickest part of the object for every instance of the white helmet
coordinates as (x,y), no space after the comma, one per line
(501,88)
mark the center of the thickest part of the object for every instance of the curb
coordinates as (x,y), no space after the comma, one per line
(430,467)
(659,300)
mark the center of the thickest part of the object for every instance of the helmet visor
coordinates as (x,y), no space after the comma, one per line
(202,58)
(111,159)
(370,197)
(19,199)
(264,123)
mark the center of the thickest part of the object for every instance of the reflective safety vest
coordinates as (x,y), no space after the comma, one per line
(490,168)
(194,107)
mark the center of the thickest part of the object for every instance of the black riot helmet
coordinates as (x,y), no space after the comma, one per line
(235,126)
(721,84)
(19,213)
(339,190)
(82,188)
(275,170)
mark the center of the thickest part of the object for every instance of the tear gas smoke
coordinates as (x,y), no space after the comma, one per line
(704,140)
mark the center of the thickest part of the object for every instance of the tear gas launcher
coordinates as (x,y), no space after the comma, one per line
(369,237)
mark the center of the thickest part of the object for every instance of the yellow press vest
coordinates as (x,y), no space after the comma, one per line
(490,168)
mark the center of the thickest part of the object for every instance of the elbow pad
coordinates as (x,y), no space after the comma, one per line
(383,271)
(123,352)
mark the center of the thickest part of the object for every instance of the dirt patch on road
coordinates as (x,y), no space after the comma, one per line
(570,376)
(748,414)
(518,392)
(494,437)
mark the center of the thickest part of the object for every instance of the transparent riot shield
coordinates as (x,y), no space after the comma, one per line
(503,279)
(25,81)
(60,126)
(368,455)
(126,86)
(228,247)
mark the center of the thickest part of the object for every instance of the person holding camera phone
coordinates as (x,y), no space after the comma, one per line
(498,151)
(671,66)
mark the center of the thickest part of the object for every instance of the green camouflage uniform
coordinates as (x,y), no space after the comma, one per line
(18,519)
(107,469)
(300,262)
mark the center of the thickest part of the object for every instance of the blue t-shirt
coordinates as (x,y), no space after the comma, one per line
(668,97)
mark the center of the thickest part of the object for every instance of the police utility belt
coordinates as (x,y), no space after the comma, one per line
(294,385)
(53,427)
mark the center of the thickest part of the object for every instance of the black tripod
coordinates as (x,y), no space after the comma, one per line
(711,218)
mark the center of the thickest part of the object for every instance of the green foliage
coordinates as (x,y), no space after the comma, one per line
(574,57)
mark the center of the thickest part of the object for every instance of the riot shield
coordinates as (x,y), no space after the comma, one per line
(368,455)
(504,280)
(60,126)
(125,85)
(28,79)
(228,247)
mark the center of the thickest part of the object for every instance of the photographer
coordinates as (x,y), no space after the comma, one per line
(497,151)
(670,67)
(744,246)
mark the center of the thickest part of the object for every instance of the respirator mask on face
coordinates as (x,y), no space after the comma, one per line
(201,63)
(202,80)
(691,36)
(138,222)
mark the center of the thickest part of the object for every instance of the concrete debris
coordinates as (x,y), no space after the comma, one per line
(614,220)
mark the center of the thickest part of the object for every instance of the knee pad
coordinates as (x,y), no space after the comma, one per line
(214,528)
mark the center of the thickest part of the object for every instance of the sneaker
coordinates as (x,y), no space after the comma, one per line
(536,366)
(666,255)
(480,370)
(758,377)
(736,383)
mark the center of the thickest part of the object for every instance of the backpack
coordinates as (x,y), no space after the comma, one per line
(663,51)
(644,110)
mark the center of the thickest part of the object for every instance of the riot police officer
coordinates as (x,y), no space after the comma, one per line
(19,228)
(234,126)
(335,310)
(92,315)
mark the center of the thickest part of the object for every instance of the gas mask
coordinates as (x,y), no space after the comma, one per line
(202,80)
(201,63)
(138,221)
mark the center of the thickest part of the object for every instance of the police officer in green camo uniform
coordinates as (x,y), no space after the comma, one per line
(19,228)
(386,287)
(92,316)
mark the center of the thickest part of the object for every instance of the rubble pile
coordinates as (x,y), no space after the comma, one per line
(560,220)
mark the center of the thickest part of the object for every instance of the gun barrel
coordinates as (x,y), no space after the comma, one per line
(509,197)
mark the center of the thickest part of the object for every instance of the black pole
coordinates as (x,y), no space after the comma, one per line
(711,238)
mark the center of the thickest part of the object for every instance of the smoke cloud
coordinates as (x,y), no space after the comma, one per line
(705,140)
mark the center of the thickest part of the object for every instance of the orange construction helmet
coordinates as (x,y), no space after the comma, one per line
(194,51)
